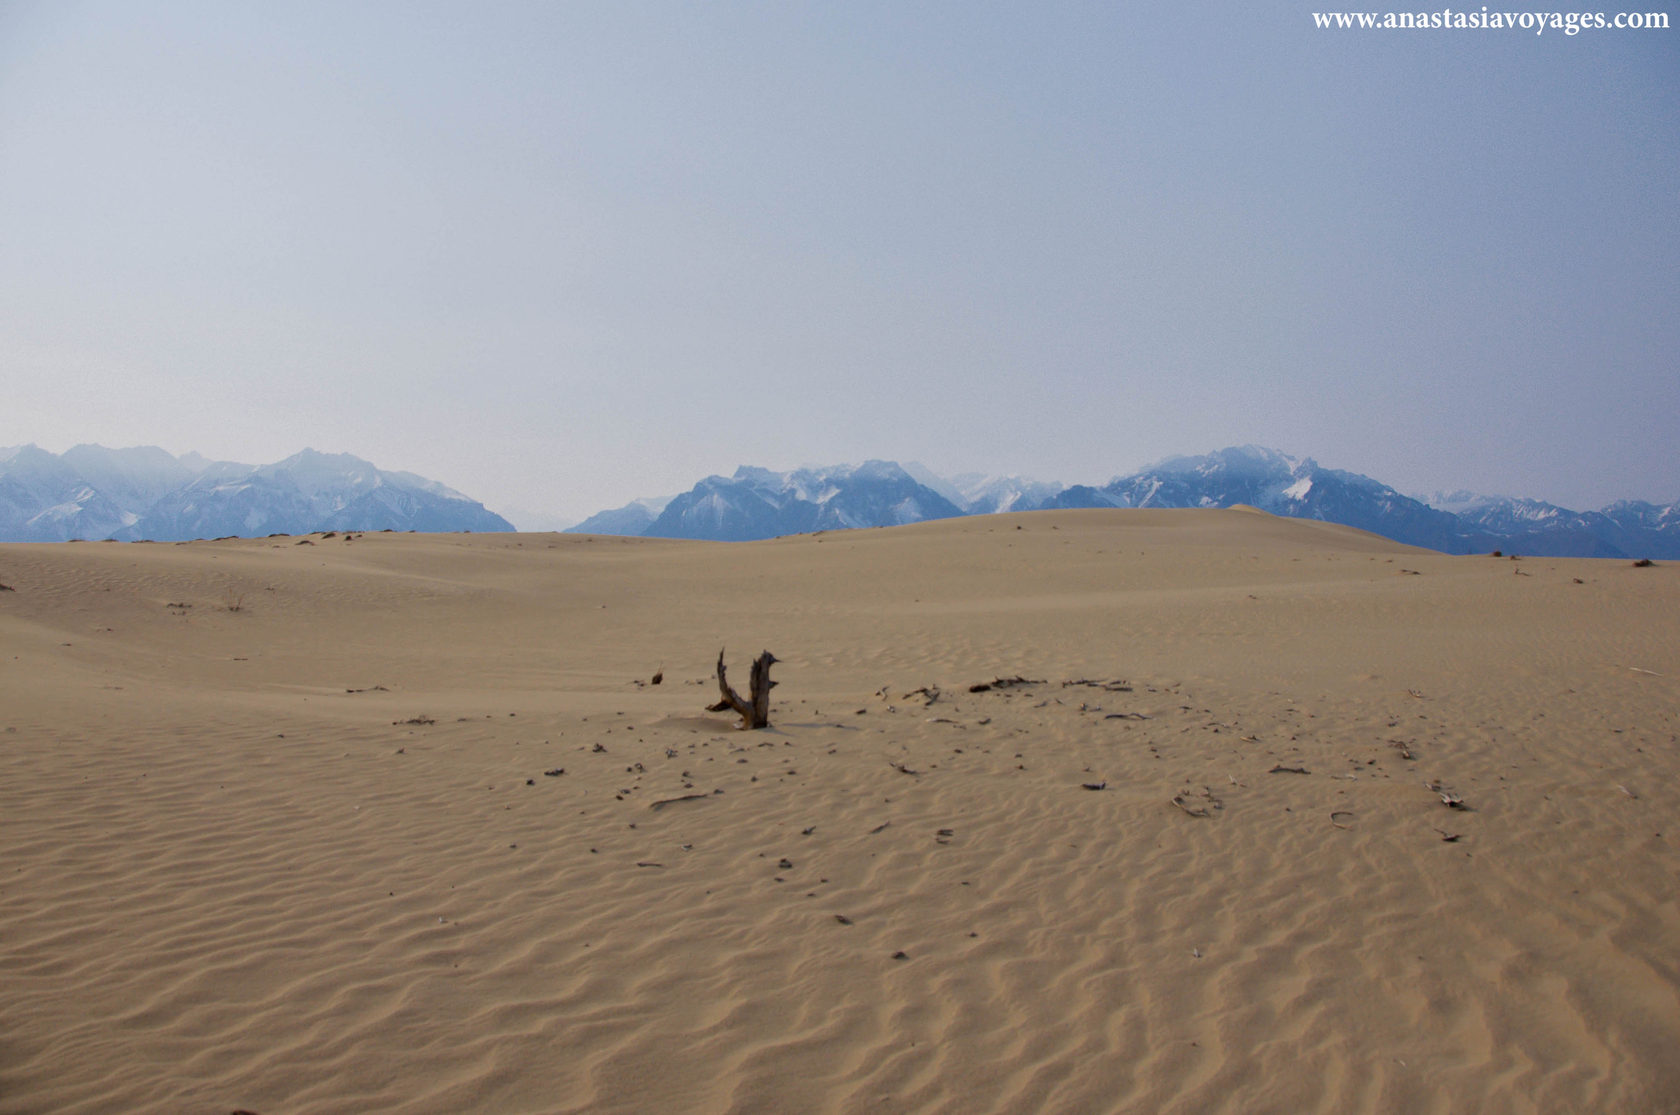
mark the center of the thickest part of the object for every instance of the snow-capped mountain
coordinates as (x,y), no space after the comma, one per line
(980,494)
(93,492)
(1298,487)
(1624,528)
(1501,514)
(44,498)
(133,479)
(1530,526)
(1636,527)
(758,503)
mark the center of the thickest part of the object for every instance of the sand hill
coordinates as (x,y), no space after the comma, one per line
(393,822)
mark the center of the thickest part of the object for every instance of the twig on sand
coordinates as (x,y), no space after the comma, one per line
(1185,801)
(1647,673)
(903,768)
(1003,683)
(663,802)
(1281,769)
(1448,798)
(1193,810)
(1450,837)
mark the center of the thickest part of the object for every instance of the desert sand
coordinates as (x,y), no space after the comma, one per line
(400,823)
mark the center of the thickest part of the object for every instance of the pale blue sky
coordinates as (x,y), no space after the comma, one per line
(560,255)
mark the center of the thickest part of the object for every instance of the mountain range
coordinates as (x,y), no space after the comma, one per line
(93,492)
(759,503)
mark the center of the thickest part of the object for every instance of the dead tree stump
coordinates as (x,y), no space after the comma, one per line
(756,712)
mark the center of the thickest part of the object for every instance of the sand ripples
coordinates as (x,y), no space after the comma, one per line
(283,896)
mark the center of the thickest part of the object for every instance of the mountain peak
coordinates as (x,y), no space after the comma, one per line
(1248,460)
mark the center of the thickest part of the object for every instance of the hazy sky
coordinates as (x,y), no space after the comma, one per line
(559,255)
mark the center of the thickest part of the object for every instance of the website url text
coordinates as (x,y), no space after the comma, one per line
(1570,23)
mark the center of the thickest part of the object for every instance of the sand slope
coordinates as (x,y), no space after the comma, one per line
(276,832)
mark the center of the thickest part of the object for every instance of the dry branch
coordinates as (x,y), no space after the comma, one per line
(756,712)
(1002,683)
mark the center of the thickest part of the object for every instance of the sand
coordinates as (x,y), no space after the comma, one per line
(278,830)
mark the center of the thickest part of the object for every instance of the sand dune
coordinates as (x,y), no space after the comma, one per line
(278,832)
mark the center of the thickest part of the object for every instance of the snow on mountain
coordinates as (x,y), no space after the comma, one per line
(310,491)
(1456,502)
(1532,526)
(44,499)
(133,479)
(94,492)
(981,494)
(1641,529)
(759,503)
(927,478)
(1292,486)
(1298,491)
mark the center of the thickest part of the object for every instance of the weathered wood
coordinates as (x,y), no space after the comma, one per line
(760,684)
(754,713)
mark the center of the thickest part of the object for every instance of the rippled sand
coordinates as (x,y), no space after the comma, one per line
(277,830)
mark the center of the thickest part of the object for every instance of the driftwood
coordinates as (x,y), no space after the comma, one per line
(756,712)
(1002,683)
